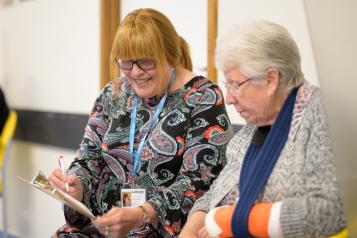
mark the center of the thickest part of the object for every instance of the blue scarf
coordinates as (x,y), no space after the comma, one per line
(257,166)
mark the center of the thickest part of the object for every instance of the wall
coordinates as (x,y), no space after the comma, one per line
(334,37)
(290,14)
(50,50)
(191,25)
(49,61)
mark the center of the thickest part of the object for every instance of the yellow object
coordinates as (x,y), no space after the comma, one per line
(341,234)
(6,136)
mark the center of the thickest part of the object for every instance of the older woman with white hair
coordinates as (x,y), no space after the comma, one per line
(280,177)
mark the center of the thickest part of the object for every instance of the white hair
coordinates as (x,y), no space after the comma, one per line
(256,46)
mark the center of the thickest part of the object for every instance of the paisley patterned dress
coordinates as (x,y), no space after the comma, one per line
(183,154)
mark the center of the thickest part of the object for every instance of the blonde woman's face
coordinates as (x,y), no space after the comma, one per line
(144,81)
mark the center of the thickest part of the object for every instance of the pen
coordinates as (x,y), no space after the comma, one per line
(63,168)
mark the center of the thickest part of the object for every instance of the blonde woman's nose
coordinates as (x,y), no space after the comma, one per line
(136,69)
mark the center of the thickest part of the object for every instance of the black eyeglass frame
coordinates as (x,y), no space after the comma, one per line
(138,62)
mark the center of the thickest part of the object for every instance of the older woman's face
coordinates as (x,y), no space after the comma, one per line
(249,98)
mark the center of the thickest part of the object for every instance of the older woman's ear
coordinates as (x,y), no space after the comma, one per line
(273,78)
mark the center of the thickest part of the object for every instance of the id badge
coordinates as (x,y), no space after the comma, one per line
(132,197)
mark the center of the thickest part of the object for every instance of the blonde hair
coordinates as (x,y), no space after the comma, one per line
(147,33)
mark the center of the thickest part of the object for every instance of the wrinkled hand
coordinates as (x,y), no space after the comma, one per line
(118,222)
(195,222)
(58,180)
(186,233)
(203,233)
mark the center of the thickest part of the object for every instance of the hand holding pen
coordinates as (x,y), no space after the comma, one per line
(68,182)
(63,168)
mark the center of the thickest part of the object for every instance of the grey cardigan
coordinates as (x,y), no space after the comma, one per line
(303,179)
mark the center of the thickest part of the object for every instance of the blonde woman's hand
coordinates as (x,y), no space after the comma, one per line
(58,180)
(118,222)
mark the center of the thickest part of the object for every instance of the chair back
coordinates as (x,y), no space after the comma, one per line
(341,234)
(6,137)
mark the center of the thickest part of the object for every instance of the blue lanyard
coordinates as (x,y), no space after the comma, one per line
(137,157)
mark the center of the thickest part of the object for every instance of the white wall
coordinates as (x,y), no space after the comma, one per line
(50,51)
(32,213)
(334,37)
(1,56)
(49,61)
(188,17)
(192,26)
(290,14)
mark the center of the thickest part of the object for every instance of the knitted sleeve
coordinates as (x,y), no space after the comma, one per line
(318,213)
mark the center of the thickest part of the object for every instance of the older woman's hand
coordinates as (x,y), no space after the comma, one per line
(194,224)
(75,188)
(118,222)
(203,233)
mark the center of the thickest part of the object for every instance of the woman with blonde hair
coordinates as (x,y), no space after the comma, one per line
(156,130)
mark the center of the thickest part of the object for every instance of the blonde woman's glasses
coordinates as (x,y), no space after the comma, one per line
(144,64)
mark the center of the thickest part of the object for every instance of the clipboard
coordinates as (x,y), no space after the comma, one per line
(41,183)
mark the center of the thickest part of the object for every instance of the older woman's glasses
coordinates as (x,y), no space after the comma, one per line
(144,64)
(233,87)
